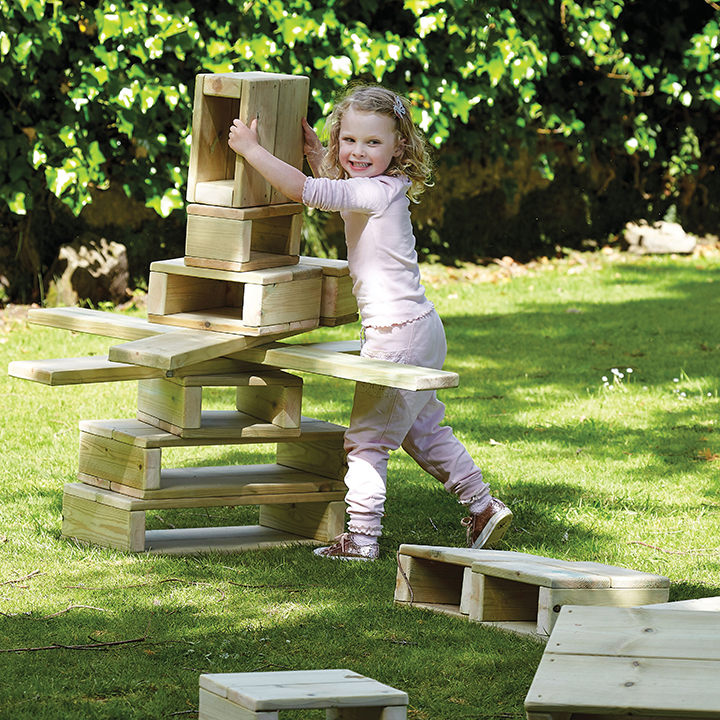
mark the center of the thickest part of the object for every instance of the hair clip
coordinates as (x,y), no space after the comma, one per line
(399,108)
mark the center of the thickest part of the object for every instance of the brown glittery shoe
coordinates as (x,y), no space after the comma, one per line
(345,549)
(487,528)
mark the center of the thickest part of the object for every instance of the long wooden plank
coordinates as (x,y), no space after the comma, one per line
(624,686)
(637,631)
(349,367)
(96,322)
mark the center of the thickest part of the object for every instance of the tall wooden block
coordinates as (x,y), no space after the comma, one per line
(276,404)
(175,404)
(216,175)
(325,457)
(242,239)
(338,305)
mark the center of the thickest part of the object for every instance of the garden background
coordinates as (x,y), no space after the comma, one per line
(555,123)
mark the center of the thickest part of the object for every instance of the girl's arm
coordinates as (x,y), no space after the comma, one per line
(283,177)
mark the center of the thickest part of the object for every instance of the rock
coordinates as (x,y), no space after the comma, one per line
(91,269)
(662,237)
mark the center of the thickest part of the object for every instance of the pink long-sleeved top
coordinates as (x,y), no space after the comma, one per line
(382,259)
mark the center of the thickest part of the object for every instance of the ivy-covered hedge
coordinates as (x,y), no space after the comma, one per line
(623,93)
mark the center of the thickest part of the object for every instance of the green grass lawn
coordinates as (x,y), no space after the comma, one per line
(589,396)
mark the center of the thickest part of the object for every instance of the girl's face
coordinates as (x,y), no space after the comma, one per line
(368,143)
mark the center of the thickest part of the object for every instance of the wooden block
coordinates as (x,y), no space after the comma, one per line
(499,599)
(322,521)
(214,192)
(169,294)
(218,238)
(257,261)
(213,707)
(254,213)
(230,321)
(114,461)
(325,456)
(629,661)
(338,300)
(265,305)
(276,404)
(423,581)
(168,401)
(89,521)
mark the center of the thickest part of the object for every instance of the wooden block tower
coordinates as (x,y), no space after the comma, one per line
(214,319)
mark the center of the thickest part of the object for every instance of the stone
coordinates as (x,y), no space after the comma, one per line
(91,269)
(661,237)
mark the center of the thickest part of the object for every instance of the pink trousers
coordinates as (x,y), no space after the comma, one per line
(384,419)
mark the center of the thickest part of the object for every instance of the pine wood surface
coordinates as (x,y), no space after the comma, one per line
(213,707)
(301,689)
(232,321)
(96,322)
(218,238)
(218,424)
(249,213)
(135,432)
(323,362)
(643,661)
(267,276)
(254,376)
(79,371)
(227,481)
(256,261)
(330,266)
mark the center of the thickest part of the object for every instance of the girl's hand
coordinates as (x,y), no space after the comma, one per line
(242,138)
(312,148)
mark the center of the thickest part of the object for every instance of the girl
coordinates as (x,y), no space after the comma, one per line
(375,163)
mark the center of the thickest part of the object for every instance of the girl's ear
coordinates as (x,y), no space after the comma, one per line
(400,148)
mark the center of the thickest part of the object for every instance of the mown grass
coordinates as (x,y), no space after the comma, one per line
(626,475)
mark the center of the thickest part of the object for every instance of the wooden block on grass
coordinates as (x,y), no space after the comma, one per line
(321,521)
(619,662)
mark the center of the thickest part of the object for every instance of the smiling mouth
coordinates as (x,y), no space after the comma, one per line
(359,165)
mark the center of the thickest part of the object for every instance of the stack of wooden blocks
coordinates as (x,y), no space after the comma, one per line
(243,279)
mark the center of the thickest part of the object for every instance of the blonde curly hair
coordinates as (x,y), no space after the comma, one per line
(414,162)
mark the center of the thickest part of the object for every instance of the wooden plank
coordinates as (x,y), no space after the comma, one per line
(96,322)
(180,348)
(255,375)
(229,481)
(256,261)
(231,321)
(104,457)
(625,686)
(258,100)
(175,404)
(218,238)
(219,683)
(78,371)
(552,600)
(637,631)
(532,572)
(276,404)
(624,577)
(348,367)
(293,100)
(265,276)
(322,521)
(92,522)
(216,424)
(463,556)
(194,541)
(249,213)
(705,604)
(135,432)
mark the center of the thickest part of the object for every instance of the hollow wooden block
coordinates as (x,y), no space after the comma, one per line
(216,176)
(242,239)
(338,305)
(266,301)
(325,456)
(610,663)
(343,694)
(514,591)
(175,404)
(319,521)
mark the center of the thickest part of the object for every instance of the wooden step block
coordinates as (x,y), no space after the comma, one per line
(271,396)
(338,305)
(612,663)
(128,452)
(216,176)
(263,695)
(110,519)
(514,591)
(267,301)
(238,239)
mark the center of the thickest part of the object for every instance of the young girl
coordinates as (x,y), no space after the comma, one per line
(376,161)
